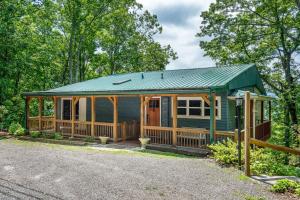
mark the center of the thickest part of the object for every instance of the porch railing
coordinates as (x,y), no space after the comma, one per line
(46,123)
(159,135)
(192,137)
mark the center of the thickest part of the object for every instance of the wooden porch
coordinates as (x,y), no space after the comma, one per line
(126,130)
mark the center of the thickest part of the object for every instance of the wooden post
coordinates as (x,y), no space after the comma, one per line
(236,135)
(73,117)
(262,109)
(27,113)
(142,108)
(40,113)
(54,112)
(174,111)
(247,133)
(124,129)
(93,116)
(115,128)
(212,127)
(253,120)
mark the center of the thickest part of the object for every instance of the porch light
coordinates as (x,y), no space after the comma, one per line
(239,101)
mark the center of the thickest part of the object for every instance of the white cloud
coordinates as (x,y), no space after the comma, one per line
(181,20)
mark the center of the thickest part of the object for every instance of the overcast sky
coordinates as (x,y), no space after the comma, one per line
(181,20)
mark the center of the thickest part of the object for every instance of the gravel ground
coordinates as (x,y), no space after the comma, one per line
(41,171)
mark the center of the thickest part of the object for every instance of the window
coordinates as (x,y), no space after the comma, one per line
(196,107)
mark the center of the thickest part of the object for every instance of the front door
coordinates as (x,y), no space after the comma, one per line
(153,112)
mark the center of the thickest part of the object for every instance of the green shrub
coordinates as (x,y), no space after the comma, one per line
(35,134)
(89,139)
(225,153)
(297,191)
(57,136)
(284,185)
(263,161)
(16,129)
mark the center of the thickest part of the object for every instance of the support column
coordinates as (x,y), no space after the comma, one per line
(254,116)
(54,112)
(174,111)
(93,116)
(142,109)
(212,127)
(40,112)
(27,111)
(247,133)
(115,128)
(73,117)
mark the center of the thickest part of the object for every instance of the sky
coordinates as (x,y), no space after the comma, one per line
(180,20)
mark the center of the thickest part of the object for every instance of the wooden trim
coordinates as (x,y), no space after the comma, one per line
(93,116)
(247,133)
(111,99)
(158,128)
(54,112)
(205,98)
(115,128)
(174,118)
(275,147)
(40,112)
(142,110)
(73,116)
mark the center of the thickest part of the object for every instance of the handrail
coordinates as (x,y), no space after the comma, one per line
(275,147)
(158,128)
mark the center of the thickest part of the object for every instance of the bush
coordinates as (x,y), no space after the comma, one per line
(89,139)
(263,161)
(297,191)
(16,129)
(57,136)
(35,134)
(285,185)
(225,153)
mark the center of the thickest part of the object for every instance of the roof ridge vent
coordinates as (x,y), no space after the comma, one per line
(142,75)
(162,75)
(121,82)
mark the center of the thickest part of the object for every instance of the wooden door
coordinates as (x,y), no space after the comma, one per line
(153,112)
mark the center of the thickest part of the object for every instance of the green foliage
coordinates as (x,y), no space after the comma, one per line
(46,44)
(89,139)
(285,185)
(35,134)
(16,129)
(248,197)
(57,136)
(225,153)
(263,161)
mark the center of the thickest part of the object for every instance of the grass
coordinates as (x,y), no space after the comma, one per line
(151,153)
(250,197)
(242,177)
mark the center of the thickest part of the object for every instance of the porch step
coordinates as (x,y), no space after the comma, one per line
(199,152)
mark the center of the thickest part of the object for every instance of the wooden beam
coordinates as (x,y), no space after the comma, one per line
(40,112)
(142,109)
(247,133)
(115,128)
(174,111)
(205,98)
(111,99)
(274,147)
(212,127)
(93,116)
(76,100)
(73,116)
(54,112)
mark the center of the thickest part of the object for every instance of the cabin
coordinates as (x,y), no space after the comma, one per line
(184,107)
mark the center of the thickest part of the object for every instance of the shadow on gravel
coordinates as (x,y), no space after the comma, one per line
(18,191)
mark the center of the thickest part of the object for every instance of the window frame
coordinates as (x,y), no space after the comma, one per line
(202,112)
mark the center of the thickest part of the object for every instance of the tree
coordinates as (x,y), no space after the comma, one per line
(266,33)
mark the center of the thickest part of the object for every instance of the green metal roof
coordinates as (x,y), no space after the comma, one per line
(182,80)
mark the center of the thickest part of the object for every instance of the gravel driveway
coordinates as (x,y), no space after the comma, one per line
(41,171)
